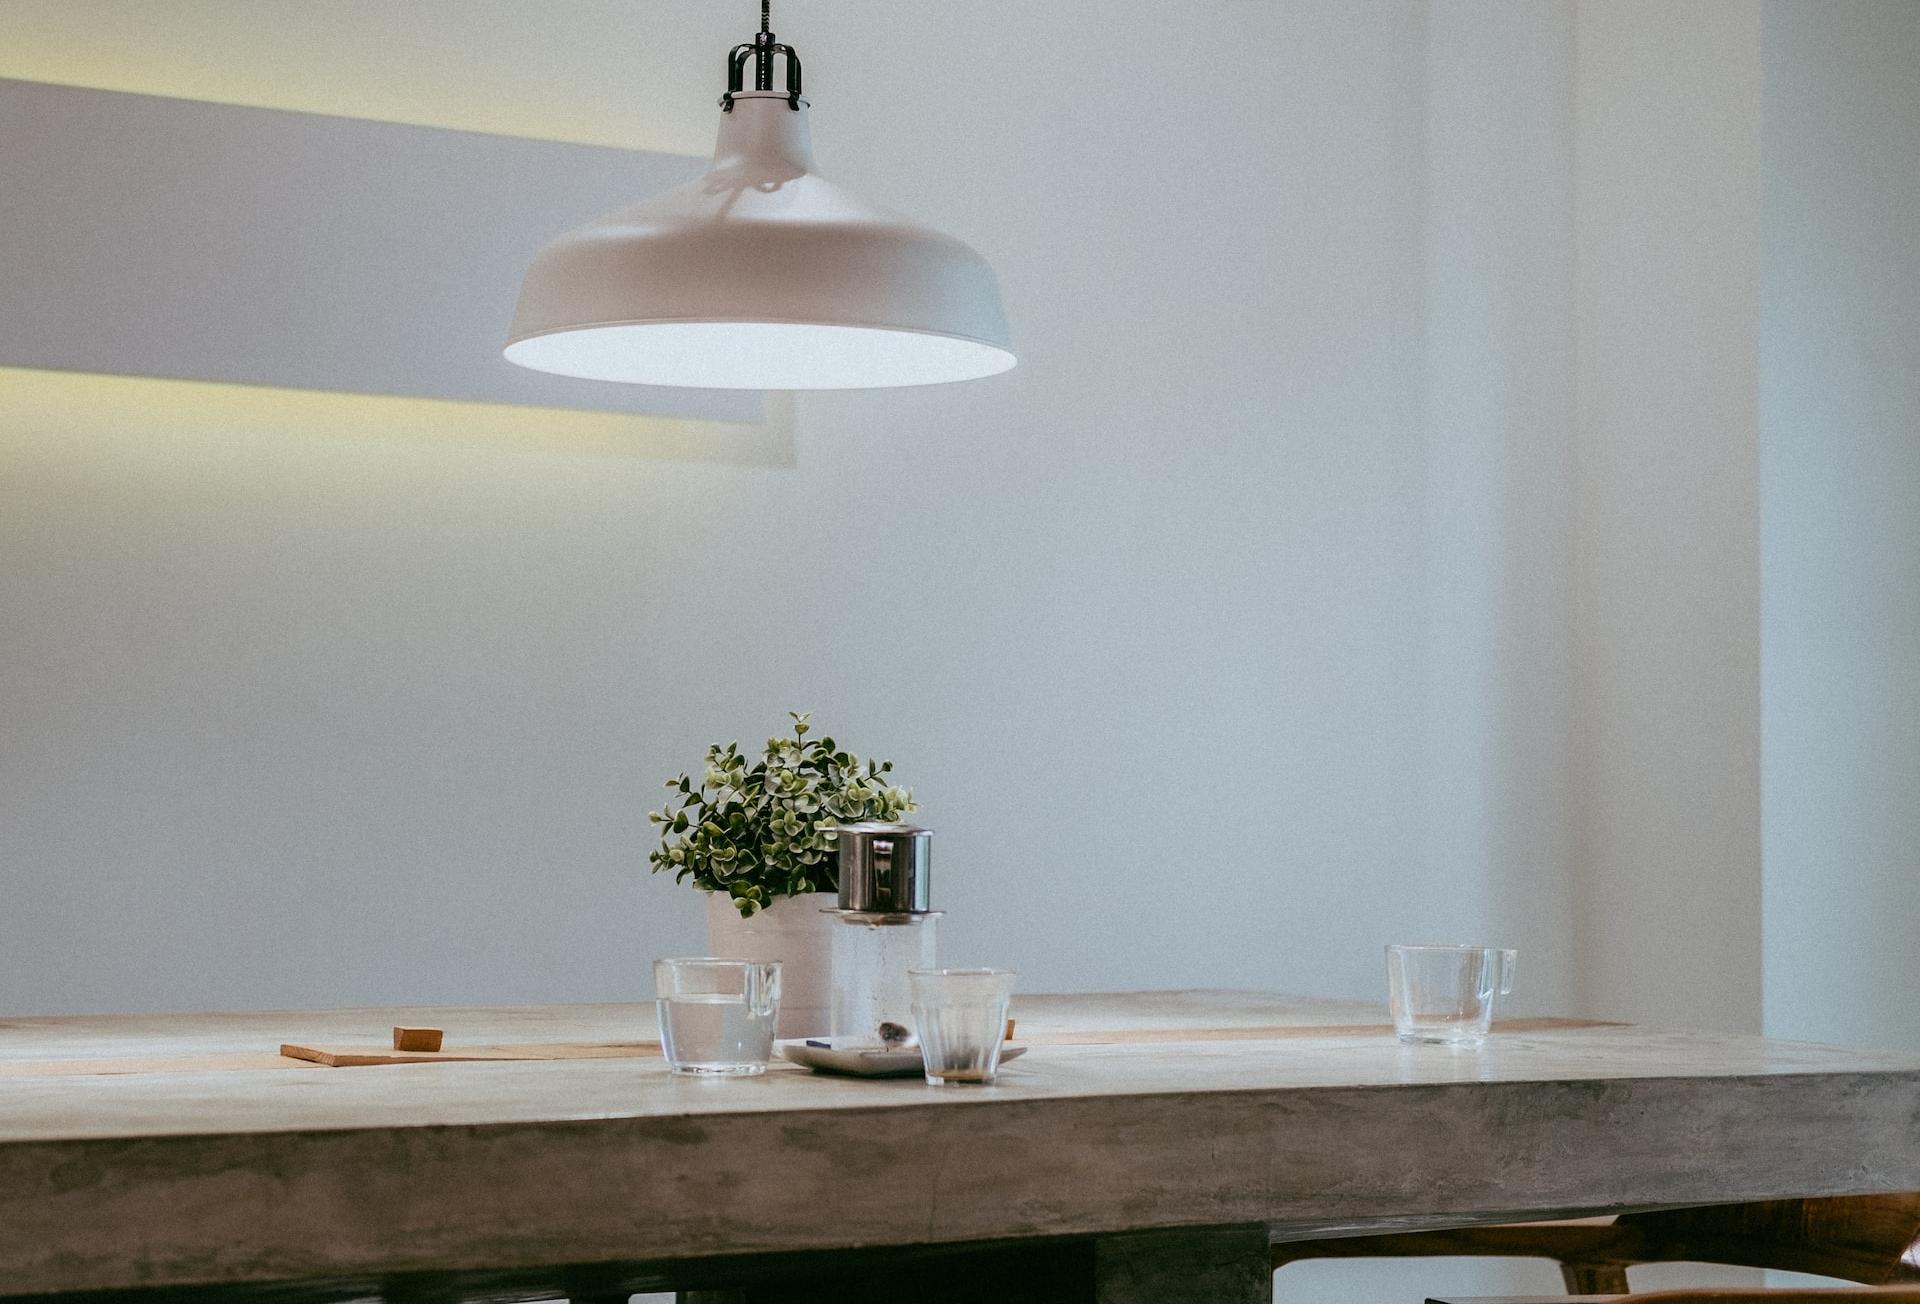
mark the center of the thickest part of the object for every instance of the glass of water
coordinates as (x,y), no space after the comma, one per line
(960,1016)
(716,1016)
(1443,995)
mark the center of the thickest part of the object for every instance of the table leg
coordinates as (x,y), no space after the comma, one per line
(1038,1273)
(1229,1265)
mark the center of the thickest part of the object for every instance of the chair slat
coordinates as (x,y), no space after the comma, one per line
(1871,1239)
(1729,1295)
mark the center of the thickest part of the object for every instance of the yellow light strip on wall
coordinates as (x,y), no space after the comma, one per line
(515,126)
(38,404)
(419,63)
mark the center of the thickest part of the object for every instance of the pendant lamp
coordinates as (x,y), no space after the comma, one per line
(760,274)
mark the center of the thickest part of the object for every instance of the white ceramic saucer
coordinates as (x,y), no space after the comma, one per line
(864,1061)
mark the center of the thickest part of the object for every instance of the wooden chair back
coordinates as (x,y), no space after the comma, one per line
(1751,1295)
(1870,1239)
(1877,1295)
(1757,1295)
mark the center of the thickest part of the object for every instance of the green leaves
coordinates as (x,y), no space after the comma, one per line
(763,831)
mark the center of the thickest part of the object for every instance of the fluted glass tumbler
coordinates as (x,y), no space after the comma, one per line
(1444,995)
(717,1016)
(960,1016)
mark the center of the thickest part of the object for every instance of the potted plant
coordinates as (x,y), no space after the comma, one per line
(758,838)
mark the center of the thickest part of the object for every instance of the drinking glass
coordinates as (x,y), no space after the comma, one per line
(961,1018)
(1444,995)
(716,1016)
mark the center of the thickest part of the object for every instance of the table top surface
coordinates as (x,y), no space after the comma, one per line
(242,1169)
(63,1078)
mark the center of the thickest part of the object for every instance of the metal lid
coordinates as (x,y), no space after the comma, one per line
(885,868)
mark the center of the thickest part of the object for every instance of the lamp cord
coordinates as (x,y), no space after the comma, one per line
(763,49)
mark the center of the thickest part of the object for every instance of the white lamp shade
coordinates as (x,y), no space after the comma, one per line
(760,275)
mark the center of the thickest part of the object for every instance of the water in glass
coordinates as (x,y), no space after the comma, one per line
(714,1034)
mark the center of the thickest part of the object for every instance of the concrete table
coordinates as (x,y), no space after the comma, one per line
(181,1157)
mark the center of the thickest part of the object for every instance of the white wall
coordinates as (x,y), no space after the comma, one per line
(1667,587)
(1152,623)
(1498,421)
(1840,478)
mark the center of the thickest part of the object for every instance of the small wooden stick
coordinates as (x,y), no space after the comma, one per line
(1009,1036)
(417,1038)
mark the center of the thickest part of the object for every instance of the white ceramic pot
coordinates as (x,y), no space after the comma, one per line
(793,931)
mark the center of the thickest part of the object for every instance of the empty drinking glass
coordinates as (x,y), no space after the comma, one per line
(1444,994)
(961,1018)
(716,1016)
